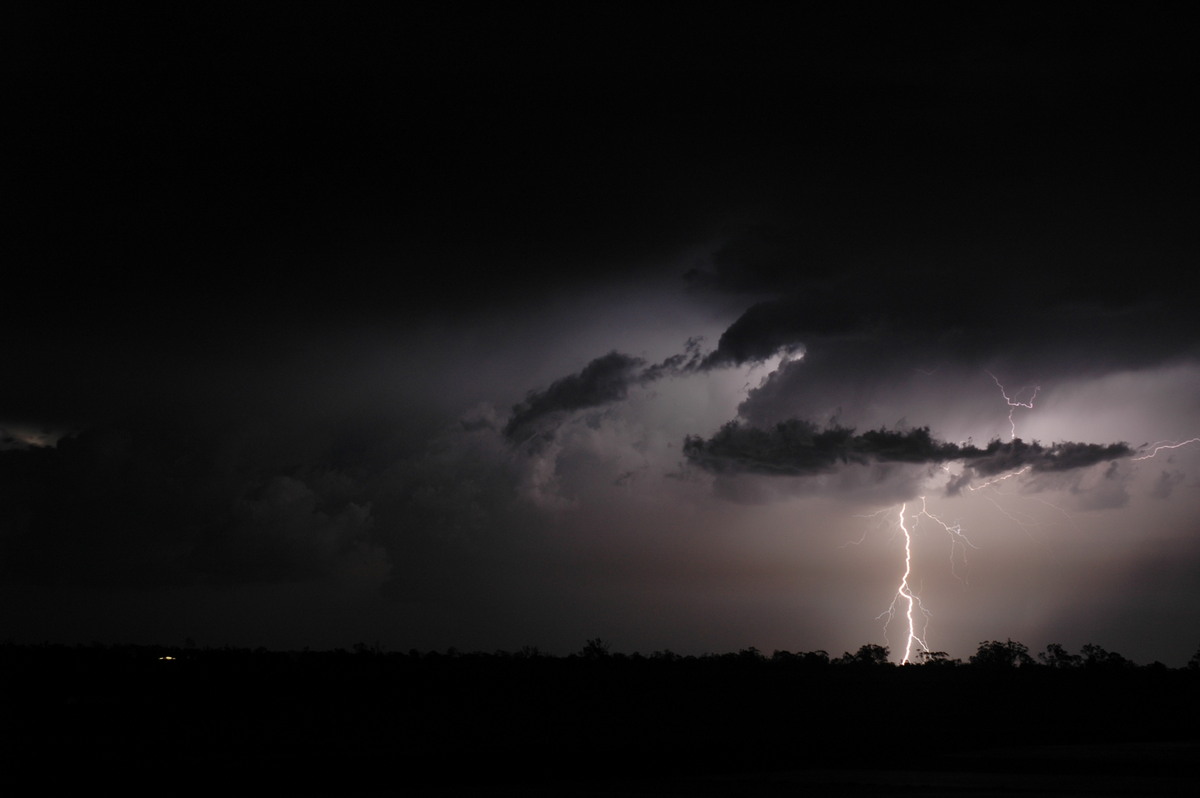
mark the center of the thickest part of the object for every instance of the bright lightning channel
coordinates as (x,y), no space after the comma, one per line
(991,482)
(904,593)
(1160,445)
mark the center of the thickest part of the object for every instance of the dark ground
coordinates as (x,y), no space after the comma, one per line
(507,724)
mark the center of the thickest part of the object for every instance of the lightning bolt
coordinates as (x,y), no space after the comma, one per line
(989,486)
(906,602)
(959,542)
(991,482)
(1160,445)
(1012,403)
(910,599)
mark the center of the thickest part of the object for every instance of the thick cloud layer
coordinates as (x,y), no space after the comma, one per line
(799,447)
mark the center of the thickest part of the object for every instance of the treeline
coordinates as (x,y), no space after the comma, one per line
(990,654)
(305,720)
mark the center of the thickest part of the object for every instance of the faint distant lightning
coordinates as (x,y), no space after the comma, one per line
(959,542)
(1160,445)
(1012,403)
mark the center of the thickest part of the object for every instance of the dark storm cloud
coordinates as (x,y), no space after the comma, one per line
(684,362)
(798,447)
(447,513)
(605,380)
(283,530)
(925,319)
(768,327)
(1038,245)
(146,506)
(1066,456)
(763,257)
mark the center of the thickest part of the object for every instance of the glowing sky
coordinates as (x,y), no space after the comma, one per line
(357,333)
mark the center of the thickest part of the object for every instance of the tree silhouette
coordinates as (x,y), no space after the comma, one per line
(595,649)
(937,658)
(1055,656)
(994,654)
(1095,656)
(751,654)
(867,655)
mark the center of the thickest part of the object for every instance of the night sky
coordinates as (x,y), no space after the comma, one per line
(491,329)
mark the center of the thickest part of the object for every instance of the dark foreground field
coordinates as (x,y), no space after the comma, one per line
(125,718)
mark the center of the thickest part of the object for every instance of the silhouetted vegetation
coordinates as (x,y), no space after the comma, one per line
(867,655)
(994,654)
(182,716)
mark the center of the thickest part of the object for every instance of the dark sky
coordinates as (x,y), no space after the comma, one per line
(423,327)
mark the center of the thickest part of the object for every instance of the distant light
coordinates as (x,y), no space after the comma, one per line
(24,436)
(168,657)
